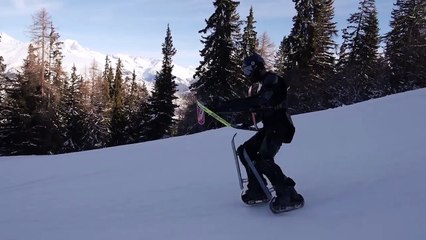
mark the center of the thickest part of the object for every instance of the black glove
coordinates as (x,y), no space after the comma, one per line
(218,107)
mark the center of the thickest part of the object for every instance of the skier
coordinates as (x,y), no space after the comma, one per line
(270,104)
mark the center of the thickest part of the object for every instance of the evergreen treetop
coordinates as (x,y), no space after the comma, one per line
(358,61)
(406,45)
(219,76)
(249,38)
(161,102)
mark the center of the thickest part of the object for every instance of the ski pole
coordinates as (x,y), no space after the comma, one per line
(214,115)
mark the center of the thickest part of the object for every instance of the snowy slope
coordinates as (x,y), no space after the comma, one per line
(14,52)
(360,168)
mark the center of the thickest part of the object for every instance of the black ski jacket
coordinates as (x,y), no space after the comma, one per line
(270,99)
(270,104)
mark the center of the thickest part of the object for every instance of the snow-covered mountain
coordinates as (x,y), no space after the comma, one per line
(360,168)
(14,51)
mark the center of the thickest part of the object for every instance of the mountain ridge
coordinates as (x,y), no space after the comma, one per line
(15,51)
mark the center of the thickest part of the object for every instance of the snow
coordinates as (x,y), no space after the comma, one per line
(359,167)
(14,52)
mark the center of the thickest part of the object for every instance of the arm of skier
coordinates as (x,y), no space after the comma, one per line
(239,105)
(253,103)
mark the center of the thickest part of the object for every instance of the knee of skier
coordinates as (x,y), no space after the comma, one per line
(265,164)
(240,150)
(251,154)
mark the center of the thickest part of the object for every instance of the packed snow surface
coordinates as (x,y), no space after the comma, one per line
(361,169)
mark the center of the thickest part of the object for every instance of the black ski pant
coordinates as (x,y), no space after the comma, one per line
(262,148)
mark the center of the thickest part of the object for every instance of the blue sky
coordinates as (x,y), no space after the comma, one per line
(138,27)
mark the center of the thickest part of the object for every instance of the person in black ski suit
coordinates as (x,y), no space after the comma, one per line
(270,104)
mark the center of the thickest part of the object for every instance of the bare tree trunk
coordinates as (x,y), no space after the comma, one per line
(266,49)
(40,37)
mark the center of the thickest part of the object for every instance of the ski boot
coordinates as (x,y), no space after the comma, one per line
(287,198)
(254,196)
(254,193)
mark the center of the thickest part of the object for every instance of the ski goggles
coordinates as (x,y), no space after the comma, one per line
(248,70)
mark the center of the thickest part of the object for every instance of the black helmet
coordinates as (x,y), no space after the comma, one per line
(253,64)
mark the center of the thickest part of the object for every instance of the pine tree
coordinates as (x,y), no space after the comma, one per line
(118,118)
(131,106)
(108,76)
(74,115)
(32,100)
(282,62)
(54,86)
(358,61)
(28,129)
(323,61)
(301,36)
(219,76)
(13,115)
(249,38)
(41,97)
(34,106)
(187,115)
(300,43)
(311,54)
(406,45)
(136,110)
(3,107)
(161,102)
(141,116)
(56,73)
(248,45)
(99,111)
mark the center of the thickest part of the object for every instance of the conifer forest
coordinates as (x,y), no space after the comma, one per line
(46,109)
